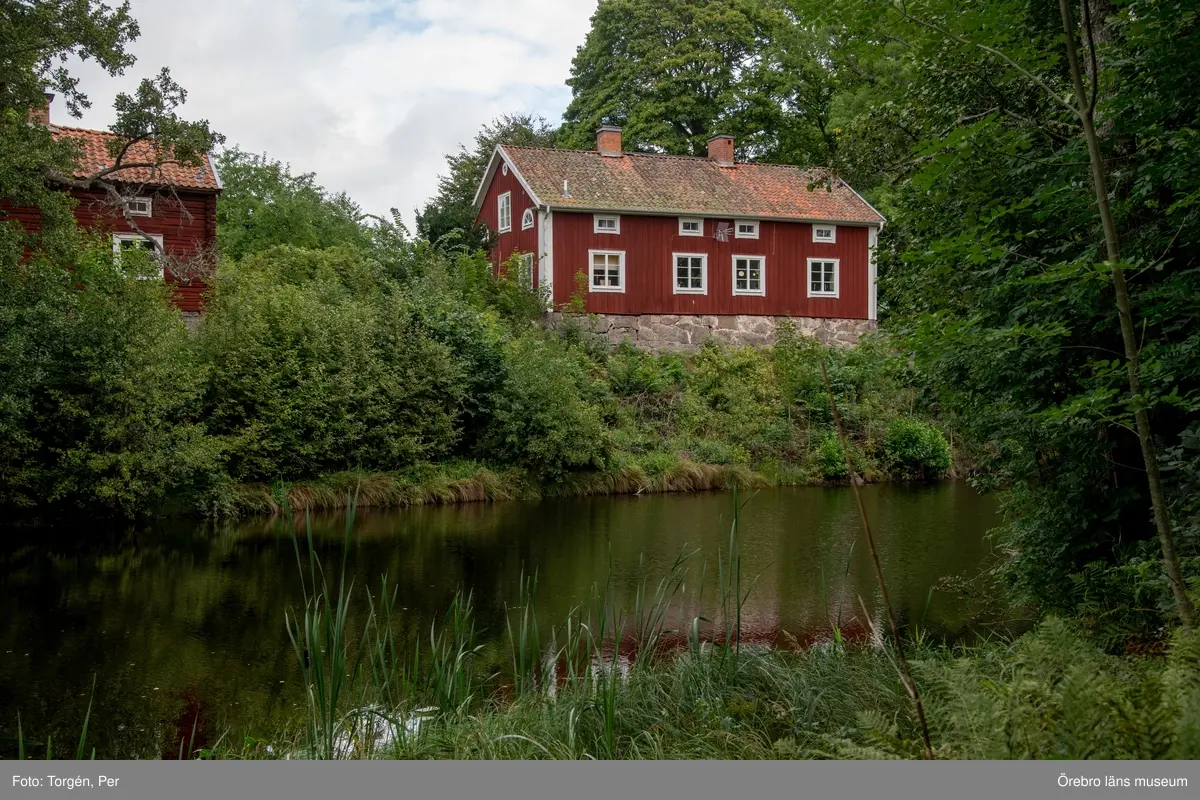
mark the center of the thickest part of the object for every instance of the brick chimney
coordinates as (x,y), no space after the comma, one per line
(40,115)
(608,140)
(720,150)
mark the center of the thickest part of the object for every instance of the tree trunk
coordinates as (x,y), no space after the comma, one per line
(1162,520)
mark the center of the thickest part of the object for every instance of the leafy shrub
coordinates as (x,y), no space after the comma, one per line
(831,458)
(717,452)
(915,450)
(99,387)
(546,417)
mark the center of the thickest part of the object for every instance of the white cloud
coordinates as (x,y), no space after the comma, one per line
(369,94)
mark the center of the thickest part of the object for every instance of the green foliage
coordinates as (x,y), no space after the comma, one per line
(675,73)
(831,458)
(916,450)
(313,371)
(546,415)
(449,217)
(263,205)
(99,388)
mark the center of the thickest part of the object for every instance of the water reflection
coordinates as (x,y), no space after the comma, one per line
(183,624)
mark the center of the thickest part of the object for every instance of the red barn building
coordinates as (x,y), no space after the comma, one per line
(669,250)
(176,206)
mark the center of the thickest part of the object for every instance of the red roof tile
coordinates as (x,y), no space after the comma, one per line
(93,146)
(685,184)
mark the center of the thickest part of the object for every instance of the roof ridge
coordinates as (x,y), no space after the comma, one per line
(702,159)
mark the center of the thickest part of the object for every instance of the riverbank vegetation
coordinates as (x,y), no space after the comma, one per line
(411,372)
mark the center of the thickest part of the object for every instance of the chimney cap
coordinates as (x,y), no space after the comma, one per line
(613,128)
(720,136)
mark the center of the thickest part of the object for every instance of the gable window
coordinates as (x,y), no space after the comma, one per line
(825,233)
(504,213)
(746,229)
(822,277)
(504,168)
(607,270)
(691,227)
(605,223)
(128,242)
(141,207)
(527,219)
(691,273)
(525,270)
(748,275)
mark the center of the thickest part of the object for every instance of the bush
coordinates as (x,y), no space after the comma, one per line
(916,451)
(546,416)
(99,387)
(831,458)
(310,374)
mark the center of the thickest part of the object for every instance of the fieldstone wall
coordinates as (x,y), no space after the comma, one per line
(192,319)
(688,331)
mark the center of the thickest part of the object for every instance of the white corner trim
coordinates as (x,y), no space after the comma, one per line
(872,274)
(546,253)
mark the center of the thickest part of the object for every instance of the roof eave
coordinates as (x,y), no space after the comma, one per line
(709,214)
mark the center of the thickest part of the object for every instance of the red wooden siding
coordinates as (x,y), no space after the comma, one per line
(187,226)
(648,243)
(516,240)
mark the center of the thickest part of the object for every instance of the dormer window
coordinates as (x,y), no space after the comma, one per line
(504,213)
(141,206)
(527,219)
(746,229)
(691,227)
(607,223)
(825,233)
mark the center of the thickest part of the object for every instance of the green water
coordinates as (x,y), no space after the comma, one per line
(182,624)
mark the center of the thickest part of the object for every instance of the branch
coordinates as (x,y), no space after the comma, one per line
(997,53)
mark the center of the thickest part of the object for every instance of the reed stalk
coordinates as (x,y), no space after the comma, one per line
(906,677)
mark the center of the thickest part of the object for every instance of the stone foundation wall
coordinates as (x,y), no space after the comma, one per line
(191,319)
(687,331)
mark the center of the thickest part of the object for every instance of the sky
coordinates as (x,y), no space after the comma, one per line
(368,94)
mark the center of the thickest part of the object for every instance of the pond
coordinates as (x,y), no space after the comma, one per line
(182,625)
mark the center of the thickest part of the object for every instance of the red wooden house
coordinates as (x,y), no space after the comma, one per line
(176,206)
(668,250)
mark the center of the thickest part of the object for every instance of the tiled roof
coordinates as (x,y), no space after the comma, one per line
(684,184)
(94,157)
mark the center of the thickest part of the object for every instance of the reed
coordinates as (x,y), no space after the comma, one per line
(525,640)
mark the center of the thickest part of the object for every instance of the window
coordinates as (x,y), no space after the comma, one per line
(141,207)
(504,213)
(525,273)
(825,233)
(126,242)
(527,219)
(748,275)
(822,277)
(691,227)
(608,271)
(504,168)
(607,224)
(746,230)
(691,273)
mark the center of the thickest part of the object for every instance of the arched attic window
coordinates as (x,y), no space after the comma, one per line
(527,219)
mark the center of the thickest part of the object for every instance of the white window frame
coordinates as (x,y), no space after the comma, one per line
(697,220)
(527,219)
(525,270)
(737,228)
(149,212)
(117,238)
(504,168)
(837,277)
(761,291)
(592,287)
(503,207)
(832,238)
(675,288)
(596,223)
